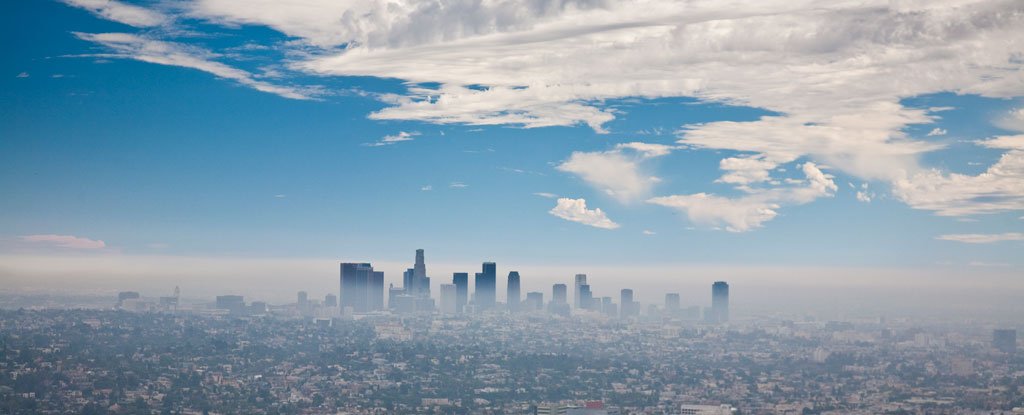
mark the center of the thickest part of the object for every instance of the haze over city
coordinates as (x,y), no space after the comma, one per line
(851,172)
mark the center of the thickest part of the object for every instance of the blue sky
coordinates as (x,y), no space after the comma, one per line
(216,129)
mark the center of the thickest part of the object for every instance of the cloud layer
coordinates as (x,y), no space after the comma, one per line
(833,75)
(64,241)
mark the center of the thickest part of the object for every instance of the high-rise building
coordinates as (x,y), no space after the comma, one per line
(719,302)
(449,299)
(558,294)
(330,300)
(628,307)
(302,303)
(586,297)
(608,307)
(461,282)
(356,281)
(559,300)
(485,287)
(672,304)
(512,296)
(534,301)
(375,292)
(581,280)
(1004,340)
(407,282)
(126,295)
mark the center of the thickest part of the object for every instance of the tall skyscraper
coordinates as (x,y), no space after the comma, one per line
(586,297)
(408,283)
(330,300)
(512,296)
(461,282)
(581,280)
(719,302)
(534,301)
(628,307)
(672,304)
(356,279)
(449,299)
(375,291)
(486,282)
(1004,340)
(558,294)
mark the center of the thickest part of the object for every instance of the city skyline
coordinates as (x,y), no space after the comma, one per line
(704,170)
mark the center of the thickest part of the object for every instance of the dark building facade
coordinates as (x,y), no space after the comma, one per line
(461,281)
(512,294)
(719,302)
(361,287)
(486,282)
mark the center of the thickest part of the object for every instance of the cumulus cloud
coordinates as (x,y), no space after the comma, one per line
(575,210)
(145,49)
(982,238)
(619,172)
(742,214)
(937,131)
(122,12)
(64,241)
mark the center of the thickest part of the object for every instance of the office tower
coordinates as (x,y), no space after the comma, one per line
(461,282)
(534,301)
(485,287)
(512,294)
(720,302)
(356,280)
(330,300)
(235,304)
(302,303)
(672,305)
(375,292)
(586,297)
(581,280)
(558,294)
(608,307)
(628,309)
(449,299)
(407,282)
(1004,340)
(559,300)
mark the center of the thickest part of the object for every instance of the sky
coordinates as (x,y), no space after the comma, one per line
(830,142)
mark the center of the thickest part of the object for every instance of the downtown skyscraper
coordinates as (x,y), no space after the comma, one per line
(461,282)
(486,282)
(362,288)
(719,302)
(512,294)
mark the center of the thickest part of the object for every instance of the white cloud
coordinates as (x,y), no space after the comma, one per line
(618,172)
(575,210)
(864,196)
(395,138)
(937,131)
(427,188)
(280,196)
(144,49)
(457,185)
(22,75)
(1006,142)
(546,195)
(834,74)
(649,232)
(1012,120)
(749,212)
(982,238)
(65,241)
(122,12)
(998,189)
